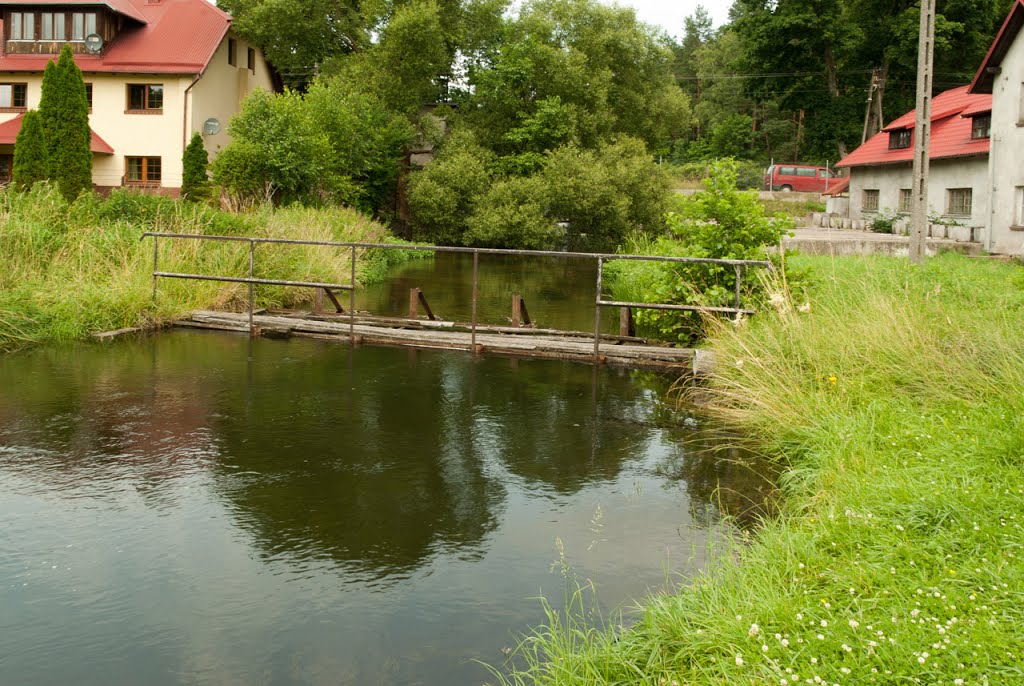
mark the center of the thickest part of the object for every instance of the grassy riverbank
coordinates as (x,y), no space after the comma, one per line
(69,271)
(896,405)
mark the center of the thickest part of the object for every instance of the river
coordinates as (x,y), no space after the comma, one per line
(200,508)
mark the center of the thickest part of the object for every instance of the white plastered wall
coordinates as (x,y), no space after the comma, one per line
(220,91)
(961,172)
(1006,168)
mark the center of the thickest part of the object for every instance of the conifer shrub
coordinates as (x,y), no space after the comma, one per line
(194,184)
(64,110)
(30,163)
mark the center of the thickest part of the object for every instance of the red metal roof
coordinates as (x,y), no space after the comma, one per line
(177,37)
(9,132)
(951,132)
(839,188)
(997,51)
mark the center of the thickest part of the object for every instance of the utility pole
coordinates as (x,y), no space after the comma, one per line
(922,131)
(870,106)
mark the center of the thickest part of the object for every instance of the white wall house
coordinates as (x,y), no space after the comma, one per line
(155,72)
(881,170)
(1002,76)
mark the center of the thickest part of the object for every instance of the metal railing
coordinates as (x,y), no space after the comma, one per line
(599,302)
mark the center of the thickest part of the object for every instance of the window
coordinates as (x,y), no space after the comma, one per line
(23,26)
(906,200)
(787,171)
(981,126)
(232,52)
(82,24)
(826,174)
(13,96)
(88,95)
(146,97)
(899,139)
(251,60)
(1018,214)
(869,201)
(52,26)
(959,201)
(6,165)
(143,171)
(806,171)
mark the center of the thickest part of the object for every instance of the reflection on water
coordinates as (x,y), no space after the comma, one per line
(207,509)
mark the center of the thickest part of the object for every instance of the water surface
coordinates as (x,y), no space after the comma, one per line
(199,508)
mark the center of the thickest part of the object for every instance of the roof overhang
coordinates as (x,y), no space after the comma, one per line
(986,76)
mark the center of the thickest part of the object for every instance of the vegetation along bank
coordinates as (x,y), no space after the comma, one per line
(894,405)
(75,269)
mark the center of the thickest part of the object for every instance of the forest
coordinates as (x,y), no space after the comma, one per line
(553,122)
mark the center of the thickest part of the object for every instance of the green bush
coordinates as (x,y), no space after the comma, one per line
(513,214)
(720,222)
(884,222)
(30,163)
(194,184)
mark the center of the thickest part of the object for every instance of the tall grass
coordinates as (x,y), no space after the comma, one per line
(895,406)
(71,270)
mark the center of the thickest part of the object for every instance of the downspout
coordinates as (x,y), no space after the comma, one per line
(185,113)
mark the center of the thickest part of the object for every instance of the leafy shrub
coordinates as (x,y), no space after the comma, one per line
(719,222)
(883,222)
(194,184)
(513,214)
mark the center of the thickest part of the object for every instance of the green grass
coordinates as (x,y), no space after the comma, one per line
(69,271)
(797,210)
(895,407)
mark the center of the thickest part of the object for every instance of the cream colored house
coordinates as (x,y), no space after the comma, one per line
(156,71)
(1002,75)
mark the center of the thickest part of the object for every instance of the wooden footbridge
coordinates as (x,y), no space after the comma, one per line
(421,329)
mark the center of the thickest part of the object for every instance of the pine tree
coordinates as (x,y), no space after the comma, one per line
(64,110)
(30,163)
(194,184)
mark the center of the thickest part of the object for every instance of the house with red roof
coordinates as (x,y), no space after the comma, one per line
(156,71)
(1001,78)
(881,170)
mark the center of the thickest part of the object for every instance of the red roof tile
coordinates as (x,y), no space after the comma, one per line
(951,132)
(9,132)
(1000,46)
(178,37)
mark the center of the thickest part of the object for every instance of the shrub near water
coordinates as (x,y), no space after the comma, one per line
(72,270)
(895,407)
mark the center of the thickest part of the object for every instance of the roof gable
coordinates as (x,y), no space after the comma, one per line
(985,77)
(950,132)
(171,37)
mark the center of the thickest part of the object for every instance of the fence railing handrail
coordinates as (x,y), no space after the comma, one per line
(599,301)
(454,249)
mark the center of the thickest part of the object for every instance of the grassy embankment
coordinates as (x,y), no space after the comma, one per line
(69,271)
(896,406)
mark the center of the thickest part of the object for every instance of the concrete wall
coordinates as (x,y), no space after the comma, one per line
(217,93)
(965,172)
(1005,234)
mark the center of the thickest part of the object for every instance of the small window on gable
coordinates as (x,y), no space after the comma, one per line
(82,25)
(232,52)
(981,126)
(88,95)
(23,26)
(899,139)
(869,201)
(251,60)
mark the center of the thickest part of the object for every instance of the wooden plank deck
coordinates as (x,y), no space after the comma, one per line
(521,342)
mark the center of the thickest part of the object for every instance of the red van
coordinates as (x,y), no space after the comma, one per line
(798,177)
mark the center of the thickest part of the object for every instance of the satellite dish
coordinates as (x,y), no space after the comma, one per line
(211,127)
(94,43)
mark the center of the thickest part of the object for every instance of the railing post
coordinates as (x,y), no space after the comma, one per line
(597,312)
(739,277)
(252,259)
(414,303)
(352,302)
(476,270)
(517,309)
(156,256)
